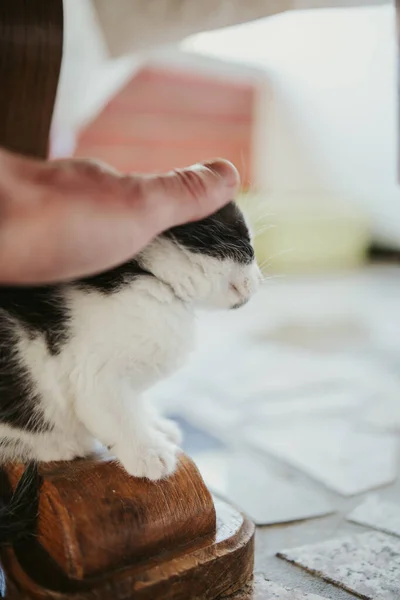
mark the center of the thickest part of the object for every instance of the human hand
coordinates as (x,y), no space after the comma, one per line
(65,219)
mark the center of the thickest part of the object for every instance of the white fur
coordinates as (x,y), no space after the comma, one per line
(120,345)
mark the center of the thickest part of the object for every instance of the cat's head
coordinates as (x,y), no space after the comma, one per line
(209,262)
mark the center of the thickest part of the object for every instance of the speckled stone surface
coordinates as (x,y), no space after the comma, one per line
(261,589)
(367,564)
(375,513)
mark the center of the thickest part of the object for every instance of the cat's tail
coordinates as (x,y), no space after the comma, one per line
(18,516)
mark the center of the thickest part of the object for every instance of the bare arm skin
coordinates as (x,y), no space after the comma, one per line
(65,219)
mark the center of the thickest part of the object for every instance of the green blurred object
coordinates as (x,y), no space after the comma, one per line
(300,233)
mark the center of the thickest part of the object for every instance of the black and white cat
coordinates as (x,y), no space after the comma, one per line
(76,358)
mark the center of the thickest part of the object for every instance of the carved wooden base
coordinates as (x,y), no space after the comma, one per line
(103,534)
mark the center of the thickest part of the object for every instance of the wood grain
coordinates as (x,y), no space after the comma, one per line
(94,517)
(104,534)
(31,38)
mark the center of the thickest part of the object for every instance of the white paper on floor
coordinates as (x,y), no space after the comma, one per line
(333,400)
(265,496)
(384,414)
(334,451)
(377,514)
(367,564)
(260,372)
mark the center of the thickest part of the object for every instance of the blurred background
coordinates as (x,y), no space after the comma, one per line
(290,406)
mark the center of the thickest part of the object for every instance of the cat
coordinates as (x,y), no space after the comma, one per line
(76,358)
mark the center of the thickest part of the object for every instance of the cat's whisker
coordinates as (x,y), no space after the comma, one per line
(263,229)
(269,261)
(273,277)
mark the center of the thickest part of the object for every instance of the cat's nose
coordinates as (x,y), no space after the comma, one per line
(240,293)
(243,286)
(240,304)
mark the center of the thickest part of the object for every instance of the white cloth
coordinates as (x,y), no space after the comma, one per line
(133,25)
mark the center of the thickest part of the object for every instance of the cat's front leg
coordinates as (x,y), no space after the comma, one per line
(170,429)
(150,453)
(144,444)
(166,426)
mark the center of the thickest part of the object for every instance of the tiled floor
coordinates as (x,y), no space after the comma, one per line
(294,417)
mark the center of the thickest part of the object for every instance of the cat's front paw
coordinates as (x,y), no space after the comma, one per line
(170,429)
(154,457)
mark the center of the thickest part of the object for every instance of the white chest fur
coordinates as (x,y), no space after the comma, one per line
(143,332)
(119,345)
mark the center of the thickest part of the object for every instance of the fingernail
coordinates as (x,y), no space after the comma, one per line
(226,170)
(223,169)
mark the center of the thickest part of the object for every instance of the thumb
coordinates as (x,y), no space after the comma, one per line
(183,195)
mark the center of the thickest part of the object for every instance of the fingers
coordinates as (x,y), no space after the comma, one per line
(73,218)
(163,201)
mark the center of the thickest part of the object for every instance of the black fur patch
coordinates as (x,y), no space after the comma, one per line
(39,311)
(221,235)
(111,281)
(18,401)
(18,513)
